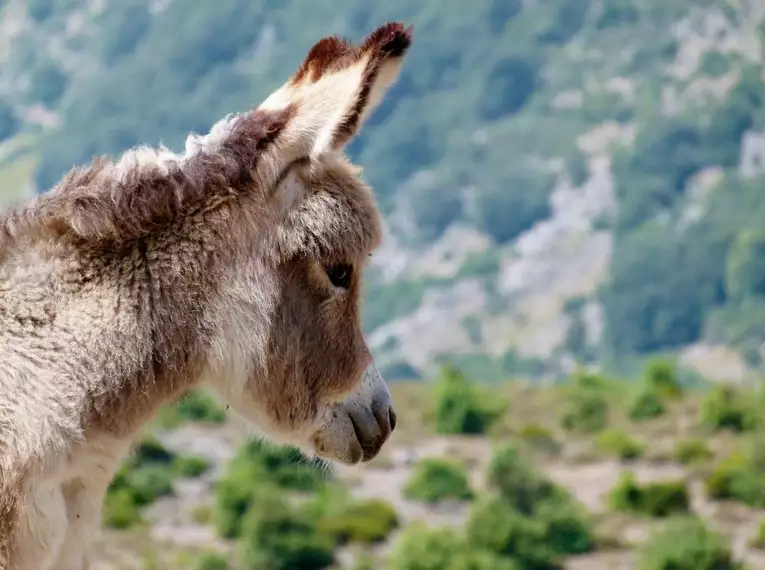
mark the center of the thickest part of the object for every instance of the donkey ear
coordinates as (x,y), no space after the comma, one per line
(335,89)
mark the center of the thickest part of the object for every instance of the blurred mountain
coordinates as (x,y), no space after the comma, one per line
(564,183)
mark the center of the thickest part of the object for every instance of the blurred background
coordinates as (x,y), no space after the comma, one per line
(569,304)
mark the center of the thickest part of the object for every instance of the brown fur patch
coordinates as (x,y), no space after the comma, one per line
(93,204)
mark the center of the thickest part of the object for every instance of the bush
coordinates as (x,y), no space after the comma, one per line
(538,541)
(737,478)
(148,483)
(539,438)
(422,548)
(658,500)
(436,479)
(646,405)
(618,444)
(460,408)
(725,408)
(661,376)
(526,517)
(279,536)
(587,412)
(686,544)
(517,481)
(369,521)
(147,475)
(191,465)
(150,451)
(273,468)
(284,465)
(210,560)
(120,511)
(194,406)
(690,451)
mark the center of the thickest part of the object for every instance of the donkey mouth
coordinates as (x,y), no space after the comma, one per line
(358,428)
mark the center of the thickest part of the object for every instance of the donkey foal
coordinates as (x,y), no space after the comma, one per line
(235,265)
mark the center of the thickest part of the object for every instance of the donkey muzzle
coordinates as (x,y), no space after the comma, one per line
(356,429)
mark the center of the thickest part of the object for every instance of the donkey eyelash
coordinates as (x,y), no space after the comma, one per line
(339,275)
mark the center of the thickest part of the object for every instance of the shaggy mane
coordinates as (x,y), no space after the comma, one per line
(148,188)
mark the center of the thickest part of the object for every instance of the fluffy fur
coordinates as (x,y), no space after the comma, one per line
(131,281)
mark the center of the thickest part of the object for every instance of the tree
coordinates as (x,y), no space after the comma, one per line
(745,266)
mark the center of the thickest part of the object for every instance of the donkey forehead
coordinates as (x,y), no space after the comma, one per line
(334,215)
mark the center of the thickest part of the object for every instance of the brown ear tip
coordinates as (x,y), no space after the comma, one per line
(391,39)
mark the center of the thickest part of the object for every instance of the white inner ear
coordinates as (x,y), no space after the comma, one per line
(289,190)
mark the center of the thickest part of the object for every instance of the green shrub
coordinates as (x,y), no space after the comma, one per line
(661,377)
(259,468)
(726,408)
(587,412)
(618,444)
(279,536)
(686,543)
(148,483)
(461,408)
(150,451)
(538,438)
(645,405)
(423,548)
(369,521)
(194,406)
(120,511)
(210,560)
(526,517)
(144,477)
(658,500)
(283,465)
(515,479)
(436,479)
(556,528)
(191,465)
(691,451)
(738,478)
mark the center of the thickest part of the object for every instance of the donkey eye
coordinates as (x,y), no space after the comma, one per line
(339,275)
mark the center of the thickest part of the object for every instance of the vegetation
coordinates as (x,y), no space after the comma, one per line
(436,479)
(194,406)
(141,480)
(619,444)
(462,407)
(369,521)
(691,451)
(658,500)
(212,561)
(282,511)
(279,536)
(587,411)
(740,477)
(272,467)
(686,544)
(726,408)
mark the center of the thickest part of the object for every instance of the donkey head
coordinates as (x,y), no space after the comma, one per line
(303,372)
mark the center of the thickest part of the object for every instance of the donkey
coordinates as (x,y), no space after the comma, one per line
(236,265)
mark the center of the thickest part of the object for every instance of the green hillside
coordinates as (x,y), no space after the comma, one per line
(638,118)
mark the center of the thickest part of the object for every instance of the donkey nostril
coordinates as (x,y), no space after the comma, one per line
(392,419)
